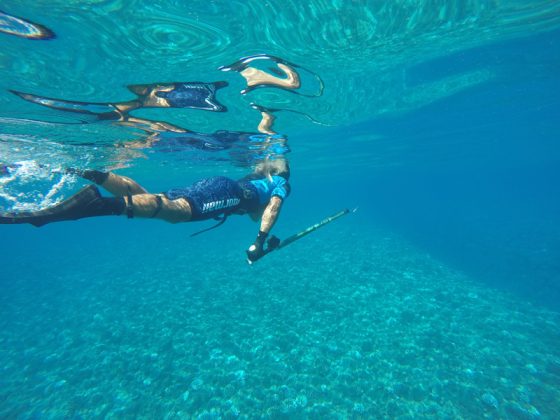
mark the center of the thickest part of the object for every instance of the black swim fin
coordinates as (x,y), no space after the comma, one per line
(87,202)
(107,110)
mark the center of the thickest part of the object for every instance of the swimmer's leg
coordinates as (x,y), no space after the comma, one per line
(88,202)
(267,119)
(158,206)
(139,202)
(117,185)
(121,186)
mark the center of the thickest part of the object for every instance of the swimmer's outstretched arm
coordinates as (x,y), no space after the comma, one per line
(269,217)
(255,77)
(267,120)
(270,214)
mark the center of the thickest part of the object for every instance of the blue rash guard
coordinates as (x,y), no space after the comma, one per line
(211,197)
(270,187)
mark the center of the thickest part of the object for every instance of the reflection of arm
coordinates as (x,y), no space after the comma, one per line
(270,214)
(265,126)
(255,77)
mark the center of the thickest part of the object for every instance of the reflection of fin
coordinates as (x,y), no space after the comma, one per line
(72,106)
(244,62)
(197,95)
(23,28)
(261,108)
(85,203)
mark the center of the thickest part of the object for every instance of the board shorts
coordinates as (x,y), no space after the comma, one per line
(210,198)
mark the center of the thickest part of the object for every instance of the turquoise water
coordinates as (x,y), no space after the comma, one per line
(438,298)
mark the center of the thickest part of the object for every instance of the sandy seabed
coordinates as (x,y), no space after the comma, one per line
(376,330)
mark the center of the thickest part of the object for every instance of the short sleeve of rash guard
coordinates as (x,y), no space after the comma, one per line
(281,188)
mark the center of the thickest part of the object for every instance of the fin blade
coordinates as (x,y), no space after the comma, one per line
(95,108)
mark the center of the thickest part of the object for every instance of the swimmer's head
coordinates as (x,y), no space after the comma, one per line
(276,167)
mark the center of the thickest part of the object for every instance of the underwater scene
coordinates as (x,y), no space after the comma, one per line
(400,164)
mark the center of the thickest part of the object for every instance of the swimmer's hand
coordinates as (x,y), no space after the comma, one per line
(257,250)
(254,253)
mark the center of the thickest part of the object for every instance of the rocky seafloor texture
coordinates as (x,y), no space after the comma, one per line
(381,330)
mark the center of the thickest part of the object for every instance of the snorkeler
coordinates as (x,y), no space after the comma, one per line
(259,194)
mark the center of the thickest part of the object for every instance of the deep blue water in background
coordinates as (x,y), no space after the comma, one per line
(478,181)
(493,213)
(439,295)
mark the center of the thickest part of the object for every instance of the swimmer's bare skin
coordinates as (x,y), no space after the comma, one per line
(172,211)
(270,214)
(151,99)
(145,204)
(267,120)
